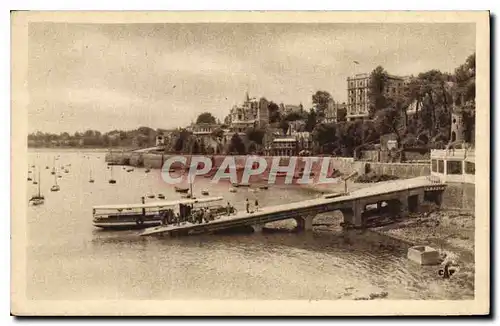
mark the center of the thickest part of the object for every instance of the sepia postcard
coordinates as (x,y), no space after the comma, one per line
(250,163)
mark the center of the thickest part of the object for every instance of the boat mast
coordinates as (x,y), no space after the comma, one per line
(90,169)
(191,181)
(39,181)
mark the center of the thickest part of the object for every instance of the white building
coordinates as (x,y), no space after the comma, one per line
(358,102)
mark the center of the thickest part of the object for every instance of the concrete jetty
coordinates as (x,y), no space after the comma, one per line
(400,196)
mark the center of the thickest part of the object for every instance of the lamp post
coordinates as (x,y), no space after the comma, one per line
(350,176)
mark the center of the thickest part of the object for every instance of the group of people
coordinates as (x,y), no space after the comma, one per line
(195,216)
(200,215)
(247,204)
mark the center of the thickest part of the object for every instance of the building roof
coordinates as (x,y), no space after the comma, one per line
(284,140)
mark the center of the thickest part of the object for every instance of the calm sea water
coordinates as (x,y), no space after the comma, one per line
(69,259)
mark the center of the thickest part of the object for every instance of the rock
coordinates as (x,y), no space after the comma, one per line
(380,295)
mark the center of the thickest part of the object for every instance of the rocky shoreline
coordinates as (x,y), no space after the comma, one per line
(451,232)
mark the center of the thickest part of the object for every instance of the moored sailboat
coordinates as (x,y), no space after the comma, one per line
(55,187)
(38,199)
(34,179)
(91,180)
(111,180)
(54,167)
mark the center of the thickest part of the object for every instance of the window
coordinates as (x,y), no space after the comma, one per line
(454,167)
(434,165)
(440,166)
(470,168)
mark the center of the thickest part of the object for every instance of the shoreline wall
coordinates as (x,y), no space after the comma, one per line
(344,165)
(459,196)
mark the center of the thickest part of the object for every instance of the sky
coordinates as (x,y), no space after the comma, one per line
(123,76)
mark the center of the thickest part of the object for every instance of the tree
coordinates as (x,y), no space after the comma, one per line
(64,135)
(145,131)
(341,114)
(181,140)
(435,112)
(370,133)
(321,100)
(206,117)
(195,148)
(311,120)
(203,147)
(465,77)
(218,133)
(252,147)
(325,136)
(389,120)
(237,145)
(284,125)
(274,112)
(376,86)
(294,116)
(256,135)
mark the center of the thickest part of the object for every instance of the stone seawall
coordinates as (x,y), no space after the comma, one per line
(120,158)
(345,165)
(402,170)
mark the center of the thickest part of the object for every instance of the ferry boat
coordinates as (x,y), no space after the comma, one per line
(140,216)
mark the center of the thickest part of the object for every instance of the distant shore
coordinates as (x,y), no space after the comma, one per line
(83,148)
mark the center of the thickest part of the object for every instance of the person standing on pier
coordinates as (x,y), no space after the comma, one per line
(247,205)
(143,200)
(206,216)
(256,204)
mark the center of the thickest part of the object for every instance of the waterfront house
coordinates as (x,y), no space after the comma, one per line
(252,112)
(286,109)
(284,146)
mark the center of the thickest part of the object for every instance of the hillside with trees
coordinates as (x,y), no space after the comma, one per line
(432,94)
